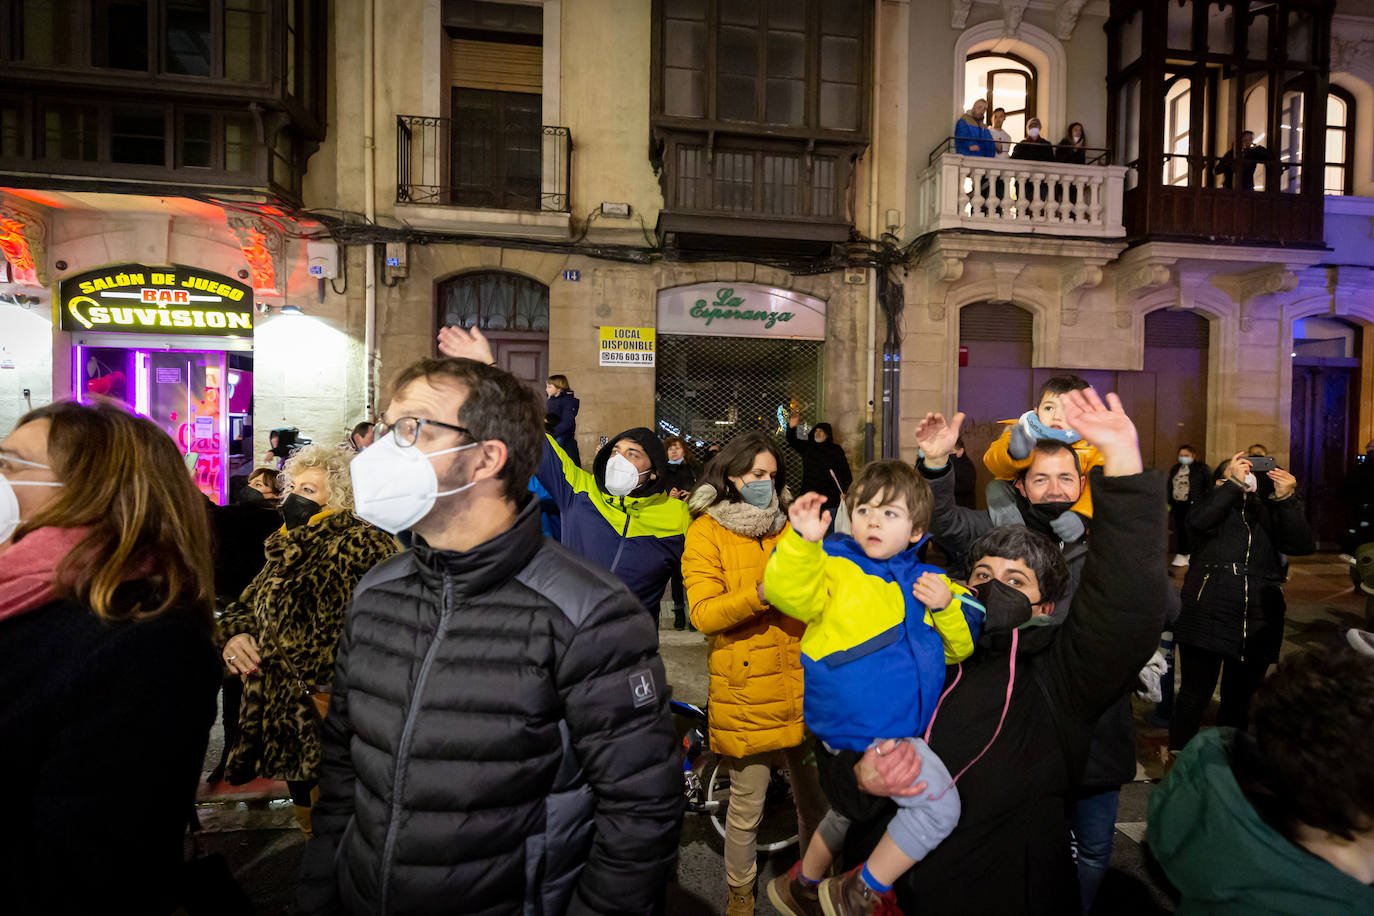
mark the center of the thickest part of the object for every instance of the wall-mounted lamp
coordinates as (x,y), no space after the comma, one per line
(291,310)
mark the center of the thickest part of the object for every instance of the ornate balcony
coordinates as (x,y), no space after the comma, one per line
(1019,196)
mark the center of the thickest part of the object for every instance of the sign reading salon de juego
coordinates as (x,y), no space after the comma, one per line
(156,300)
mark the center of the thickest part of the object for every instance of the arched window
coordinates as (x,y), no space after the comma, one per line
(494,301)
(1178,102)
(1004,81)
(1340,142)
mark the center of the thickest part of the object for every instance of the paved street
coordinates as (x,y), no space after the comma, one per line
(254,828)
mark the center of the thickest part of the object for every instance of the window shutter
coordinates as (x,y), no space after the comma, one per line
(496,65)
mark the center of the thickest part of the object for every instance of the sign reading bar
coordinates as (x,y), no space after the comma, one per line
(158,300)
(627,347)
(740,310)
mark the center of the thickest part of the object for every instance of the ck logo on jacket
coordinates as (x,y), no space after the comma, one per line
(642,689)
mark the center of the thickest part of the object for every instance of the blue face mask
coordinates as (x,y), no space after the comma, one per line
(675,461)
(1185,459)
(758,493)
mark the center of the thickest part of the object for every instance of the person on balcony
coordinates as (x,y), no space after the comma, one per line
(1249,154)
(1073,149)
(1035,146)
(971,138)
(1000,138)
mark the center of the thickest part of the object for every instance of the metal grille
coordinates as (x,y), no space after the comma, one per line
(709,389)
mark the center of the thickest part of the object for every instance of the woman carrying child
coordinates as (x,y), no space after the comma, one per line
(739,511)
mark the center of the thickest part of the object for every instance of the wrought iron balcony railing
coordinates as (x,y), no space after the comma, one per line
(449,162)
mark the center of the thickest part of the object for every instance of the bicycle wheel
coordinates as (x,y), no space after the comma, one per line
(777,828)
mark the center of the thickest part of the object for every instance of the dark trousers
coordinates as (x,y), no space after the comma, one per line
(1092,811)
(1201,668)
(1181,532)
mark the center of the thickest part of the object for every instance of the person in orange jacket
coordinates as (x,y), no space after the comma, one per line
(739,511)
(1010,453)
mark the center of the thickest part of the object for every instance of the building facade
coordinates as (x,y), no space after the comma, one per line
(710,213)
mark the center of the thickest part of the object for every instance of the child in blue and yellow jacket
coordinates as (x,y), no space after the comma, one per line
(881,627)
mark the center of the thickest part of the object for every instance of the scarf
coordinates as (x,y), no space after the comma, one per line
(740,517)
(28,574)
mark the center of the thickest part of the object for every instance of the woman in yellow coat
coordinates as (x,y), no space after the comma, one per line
(739,511)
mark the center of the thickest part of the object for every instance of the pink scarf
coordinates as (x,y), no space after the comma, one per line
(28,568)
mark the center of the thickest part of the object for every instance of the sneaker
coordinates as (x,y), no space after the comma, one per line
(1180,559)
(740,902)
(792,896)
(847,895)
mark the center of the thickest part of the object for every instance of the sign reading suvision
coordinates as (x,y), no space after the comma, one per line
(740,310)
(159,300)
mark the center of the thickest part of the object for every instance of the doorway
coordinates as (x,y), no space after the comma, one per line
(513,312)
(1324,420)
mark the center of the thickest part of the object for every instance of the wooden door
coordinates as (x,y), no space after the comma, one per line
(1322,439)
(523,355)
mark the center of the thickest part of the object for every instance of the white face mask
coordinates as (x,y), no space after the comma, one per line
(394,487)
(621,476)
(1251,484)
(9,502)
(1033,132)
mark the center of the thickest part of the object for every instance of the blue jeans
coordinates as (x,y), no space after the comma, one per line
(1093,815)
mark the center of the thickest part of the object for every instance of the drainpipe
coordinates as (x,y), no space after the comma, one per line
(873,233)
(370,209)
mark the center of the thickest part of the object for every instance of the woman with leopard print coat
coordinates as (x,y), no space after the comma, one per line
(286,624)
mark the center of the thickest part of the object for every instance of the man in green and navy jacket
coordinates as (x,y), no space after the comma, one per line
(639,536)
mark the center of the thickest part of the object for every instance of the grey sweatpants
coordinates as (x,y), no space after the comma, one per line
(921,822)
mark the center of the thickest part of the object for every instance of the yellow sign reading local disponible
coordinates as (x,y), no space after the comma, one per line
(627,347)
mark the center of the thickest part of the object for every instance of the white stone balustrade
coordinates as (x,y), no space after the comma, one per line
(1019,195)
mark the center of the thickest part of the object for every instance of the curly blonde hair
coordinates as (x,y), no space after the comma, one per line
(334,462)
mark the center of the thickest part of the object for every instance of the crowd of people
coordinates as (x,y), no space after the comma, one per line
(473,717)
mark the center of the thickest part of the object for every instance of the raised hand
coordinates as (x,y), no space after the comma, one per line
(1238,469)
(1285,484)
(938,438)
(932,591)
(1107,427)
(464,344)
(807,518)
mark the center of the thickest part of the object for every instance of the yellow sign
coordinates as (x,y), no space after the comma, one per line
(627,347)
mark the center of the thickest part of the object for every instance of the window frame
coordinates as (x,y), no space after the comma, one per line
(1347,167)
(1032,79)
(761,127)
(475,277)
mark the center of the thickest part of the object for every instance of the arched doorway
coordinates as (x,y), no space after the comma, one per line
(1167,399)
(1325,419)
(513,312)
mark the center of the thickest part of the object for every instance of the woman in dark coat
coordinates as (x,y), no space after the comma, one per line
(562,407)
(1189,480)
(106,663)
(821,458)
(679,481)
(1233,605)
(284,628)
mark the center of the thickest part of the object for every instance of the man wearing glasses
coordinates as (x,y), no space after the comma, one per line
(497,738)
(619,514)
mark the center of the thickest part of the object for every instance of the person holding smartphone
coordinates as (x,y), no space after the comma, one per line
(1231,625)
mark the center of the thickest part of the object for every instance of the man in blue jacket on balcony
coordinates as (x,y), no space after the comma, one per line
(971,136)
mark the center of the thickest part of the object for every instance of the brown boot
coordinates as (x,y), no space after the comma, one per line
(741,902)
(302,813)
(847,895)
(792,896)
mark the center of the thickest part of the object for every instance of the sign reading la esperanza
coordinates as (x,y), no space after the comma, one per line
(740,310)
(627,347)
(156,300)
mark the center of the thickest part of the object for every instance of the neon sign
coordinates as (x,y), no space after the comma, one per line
(161,300)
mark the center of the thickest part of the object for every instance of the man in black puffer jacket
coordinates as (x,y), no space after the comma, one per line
(498,739)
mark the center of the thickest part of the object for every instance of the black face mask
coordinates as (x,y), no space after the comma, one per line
(296,510)
(251,496)
(1006,609)
(1048,512)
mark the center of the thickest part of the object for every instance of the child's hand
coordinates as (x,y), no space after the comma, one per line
(807,518)
(932,591)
